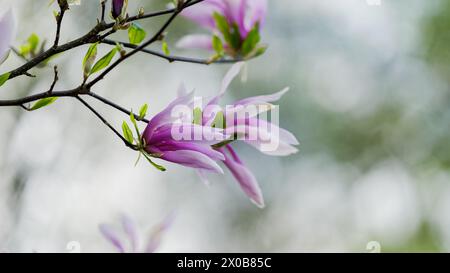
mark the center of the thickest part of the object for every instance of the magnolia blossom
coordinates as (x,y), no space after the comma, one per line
(132,242)
(259,133)
(6,33)
(241,15)
(118,7)
(193,152)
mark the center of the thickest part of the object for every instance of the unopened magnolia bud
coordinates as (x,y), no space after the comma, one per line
(117,7)
(141,12)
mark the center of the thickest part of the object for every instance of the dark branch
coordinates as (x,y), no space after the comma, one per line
(91,37)
(155,37)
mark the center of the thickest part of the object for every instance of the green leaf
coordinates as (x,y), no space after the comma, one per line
(219,121)
(159,167)
(143,111)
(4,78)
(198,116)
(136,34)
(127,134)
(221,23)
(30,46)
(138,133)
(251,41)
(235,38)
(138,158)
(104,62)
(25,49)
(89,59)
(217,45)
(165,48)
(260,51)
(132,118)
(230,33)
(33,41)
(43,102)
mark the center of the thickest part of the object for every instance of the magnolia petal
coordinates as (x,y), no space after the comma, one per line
(192,159)
(283,134)
(262,99)
(7,30)
(282,148)
(182,91)
(156,234)
(256,13)
(236,12)
(203,177)
(195,41)
(130,229)
(165,115)
(178,145)
(244,177)
(268,140)
(202,13)
(229,77)
(188,132)
(112,237)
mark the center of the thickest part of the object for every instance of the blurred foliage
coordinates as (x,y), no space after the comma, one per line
(436,39)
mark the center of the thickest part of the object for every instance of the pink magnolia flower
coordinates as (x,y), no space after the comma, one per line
(195,152)
(131,243)
(250,128)
(6,33)
(241,16)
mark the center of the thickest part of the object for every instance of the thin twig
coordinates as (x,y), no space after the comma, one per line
(116,106)
(55,79)
(171,58)
(59,19)
(106,123)
(103,10)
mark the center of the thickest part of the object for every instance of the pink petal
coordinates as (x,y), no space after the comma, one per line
(130,229)
(156,235)
(165,115)
(202,13)
(203,177)
(187,132)
(195,41)
(201,148)
(283,134)
(192,159)
(236,13)
(244,176)
(266,137)
(262,99)
(256,13)
(229,77)
(112,237)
